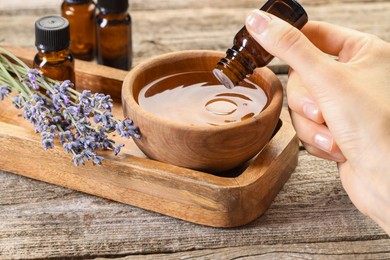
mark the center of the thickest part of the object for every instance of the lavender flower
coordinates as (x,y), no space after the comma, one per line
(48,134)
(78,158)
(127,129)
(32,76)
(81,121)
(4,91)
(17,102)
(118,149)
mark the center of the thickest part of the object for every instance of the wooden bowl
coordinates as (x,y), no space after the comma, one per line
(205,148)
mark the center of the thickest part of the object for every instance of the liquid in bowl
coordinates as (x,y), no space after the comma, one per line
(198,99)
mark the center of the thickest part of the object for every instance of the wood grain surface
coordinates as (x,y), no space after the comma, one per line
(311,218)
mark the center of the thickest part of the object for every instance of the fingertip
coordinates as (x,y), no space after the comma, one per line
(326,142)
(311,111)
(300,100)
(257,21)
(336,157)
(317,137)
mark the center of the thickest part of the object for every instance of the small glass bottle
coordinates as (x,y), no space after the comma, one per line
(81,15)
(52,39)
(246,54)
(114,43)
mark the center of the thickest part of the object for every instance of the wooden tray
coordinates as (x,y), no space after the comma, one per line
(236,198)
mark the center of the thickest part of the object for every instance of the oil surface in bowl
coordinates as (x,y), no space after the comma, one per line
(197,98)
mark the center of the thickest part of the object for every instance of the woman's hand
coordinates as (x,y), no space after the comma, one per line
(340,107)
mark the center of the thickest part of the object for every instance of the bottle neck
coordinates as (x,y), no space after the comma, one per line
(89,5)
(112,16)
(108,14)
(76,2)
(232,69)
(52,56)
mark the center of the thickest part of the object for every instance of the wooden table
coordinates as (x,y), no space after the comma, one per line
(312,217)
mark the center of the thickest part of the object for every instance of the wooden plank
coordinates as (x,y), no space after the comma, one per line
(190,195)
(376,249)
(41,220)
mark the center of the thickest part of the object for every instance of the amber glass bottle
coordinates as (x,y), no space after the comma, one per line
(246,54)
(52,39)
(81,15)
(114,43)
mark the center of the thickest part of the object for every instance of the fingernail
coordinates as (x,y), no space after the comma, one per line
(324,142)
(311,111)
(339,157)
(257,21)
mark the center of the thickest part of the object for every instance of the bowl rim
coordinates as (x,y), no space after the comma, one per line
(128,97)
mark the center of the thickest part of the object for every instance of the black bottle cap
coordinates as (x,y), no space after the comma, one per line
(76,2)
(113,6)
(52,33)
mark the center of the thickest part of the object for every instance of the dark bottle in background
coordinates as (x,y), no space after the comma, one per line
(81,15)
(114,36)
(52,39)
(246,54)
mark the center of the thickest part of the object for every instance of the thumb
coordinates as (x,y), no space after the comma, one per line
(287,43)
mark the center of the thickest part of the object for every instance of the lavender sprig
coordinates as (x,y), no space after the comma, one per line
(4,91)
(81,121)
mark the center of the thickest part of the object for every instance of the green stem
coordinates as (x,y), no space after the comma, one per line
(74,92)
(45,85)
(60,128)
(11,68)
(14,58)
(13,83)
